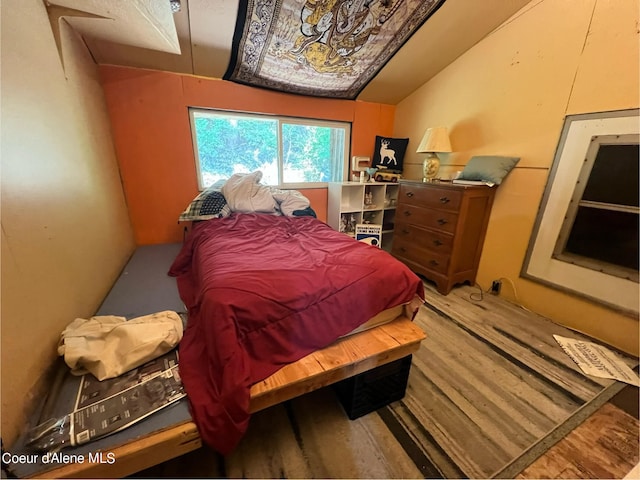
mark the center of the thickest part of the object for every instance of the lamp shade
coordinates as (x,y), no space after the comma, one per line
(435,140)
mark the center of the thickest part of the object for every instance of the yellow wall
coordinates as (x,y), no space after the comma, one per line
(65,228)
(509,95)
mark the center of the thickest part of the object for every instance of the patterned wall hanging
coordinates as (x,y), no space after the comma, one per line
(326,48)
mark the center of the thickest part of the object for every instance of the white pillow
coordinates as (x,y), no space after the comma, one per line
(244,194)
(289,200)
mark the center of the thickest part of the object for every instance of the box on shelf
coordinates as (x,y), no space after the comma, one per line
(369,233)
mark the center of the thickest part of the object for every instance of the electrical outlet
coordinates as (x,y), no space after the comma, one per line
(495,287)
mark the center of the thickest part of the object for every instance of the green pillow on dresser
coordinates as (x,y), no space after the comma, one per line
(488,168)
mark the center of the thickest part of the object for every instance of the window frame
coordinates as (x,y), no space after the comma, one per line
(621,294)
(577,201)
(280,119)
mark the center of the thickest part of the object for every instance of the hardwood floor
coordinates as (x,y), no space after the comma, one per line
(604,446)
(520,340)
(489,392)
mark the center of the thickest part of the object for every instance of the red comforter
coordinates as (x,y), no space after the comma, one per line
(263,291)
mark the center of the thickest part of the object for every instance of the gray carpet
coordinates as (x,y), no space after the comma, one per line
(489,392)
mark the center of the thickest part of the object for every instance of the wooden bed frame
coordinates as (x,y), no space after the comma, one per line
(144,287)
(347,357)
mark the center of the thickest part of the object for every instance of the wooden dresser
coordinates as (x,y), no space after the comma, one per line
(440,228)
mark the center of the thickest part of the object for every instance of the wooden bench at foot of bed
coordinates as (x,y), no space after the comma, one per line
(343,359)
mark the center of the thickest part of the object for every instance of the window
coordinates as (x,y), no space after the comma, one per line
(600,230)
(585,239)
(290,152)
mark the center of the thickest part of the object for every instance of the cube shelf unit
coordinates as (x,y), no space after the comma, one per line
(350,203)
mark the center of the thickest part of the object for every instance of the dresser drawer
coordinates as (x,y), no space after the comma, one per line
(436,219)
(439,230)
(439,242)
(405,249)
(430,197)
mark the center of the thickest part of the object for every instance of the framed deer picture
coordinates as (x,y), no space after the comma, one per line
(389,153)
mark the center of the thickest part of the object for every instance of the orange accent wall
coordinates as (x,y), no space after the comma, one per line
(152,136)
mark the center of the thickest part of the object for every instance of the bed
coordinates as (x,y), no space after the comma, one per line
(279,304)
(264,291)
(143,288)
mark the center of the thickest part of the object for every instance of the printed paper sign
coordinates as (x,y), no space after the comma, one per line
(369,233)
(596,360)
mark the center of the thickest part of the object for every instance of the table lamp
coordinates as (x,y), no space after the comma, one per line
(435,140)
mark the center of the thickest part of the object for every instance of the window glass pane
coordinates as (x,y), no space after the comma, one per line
(606,235)
(225,143)
(235,144)
(614,165)
(600,230)
(312,153)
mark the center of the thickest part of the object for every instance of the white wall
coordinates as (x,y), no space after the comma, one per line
(65,228)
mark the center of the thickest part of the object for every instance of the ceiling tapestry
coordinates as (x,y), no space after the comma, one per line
(326,48)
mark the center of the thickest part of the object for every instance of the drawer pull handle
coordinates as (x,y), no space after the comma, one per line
(406,213)
(403,250)
(442,221)
(405,231)
(409,194)
(437,243)
(433,263)
(444,200)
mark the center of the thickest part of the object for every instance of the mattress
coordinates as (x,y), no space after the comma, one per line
(388,315)
(263,291)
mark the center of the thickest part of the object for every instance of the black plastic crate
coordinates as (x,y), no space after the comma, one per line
(374,388)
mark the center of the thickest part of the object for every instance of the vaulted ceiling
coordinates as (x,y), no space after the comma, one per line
(197,39)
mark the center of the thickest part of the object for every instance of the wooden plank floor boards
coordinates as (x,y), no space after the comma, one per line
(500,375)
(604,446)
(319,444)
(490,391)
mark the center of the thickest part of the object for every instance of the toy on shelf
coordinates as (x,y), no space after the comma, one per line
(384,175)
